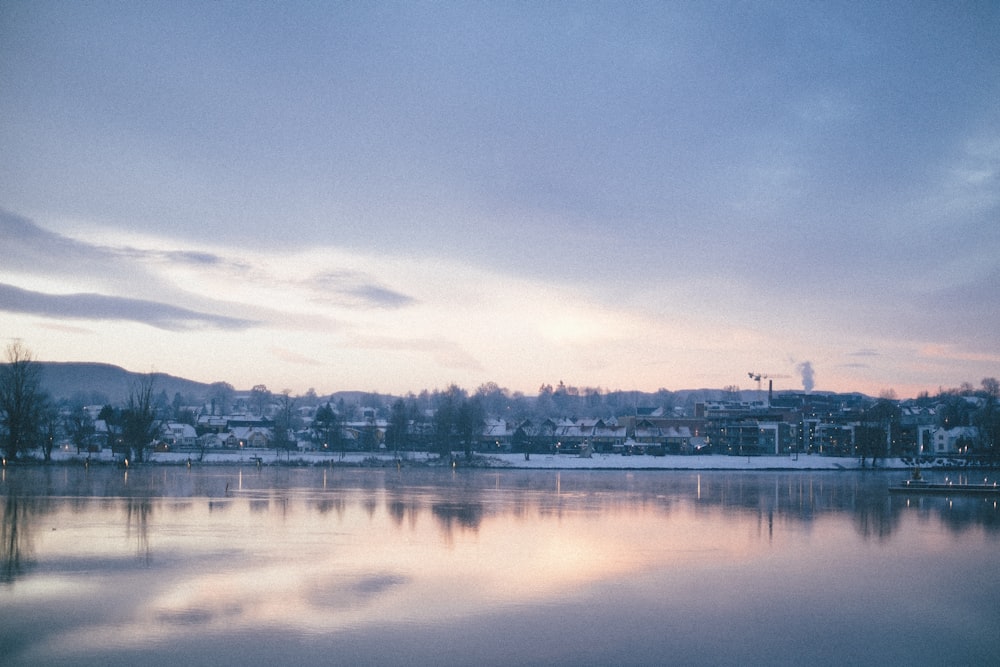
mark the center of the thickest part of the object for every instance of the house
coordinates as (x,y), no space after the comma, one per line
(607,435)
(177,435)
(211,440)
(252,437)
(577,435)
(569,436)
(529,436)
(497,436)
(212,424)
(670,436)
(366,435)
(957,440)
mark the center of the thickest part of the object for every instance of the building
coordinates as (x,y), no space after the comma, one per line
(957,440)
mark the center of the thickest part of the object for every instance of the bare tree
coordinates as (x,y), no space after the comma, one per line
(260,397)
(987,419)
(326,427)
(446,417)
(48,425)
(20,400)
(284,437)
(493,398)
(139,418)
(469,424)
(221,394)
(80,428)
(398,423)
(875,435)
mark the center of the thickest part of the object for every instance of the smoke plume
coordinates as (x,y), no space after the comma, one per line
(806,371)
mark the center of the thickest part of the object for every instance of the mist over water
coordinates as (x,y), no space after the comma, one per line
(228,565)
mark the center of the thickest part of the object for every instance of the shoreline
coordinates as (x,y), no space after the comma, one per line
(804,462)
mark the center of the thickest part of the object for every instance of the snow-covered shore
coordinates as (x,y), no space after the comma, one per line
(619,462)
(537,461)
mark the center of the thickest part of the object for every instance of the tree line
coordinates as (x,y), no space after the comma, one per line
(443,420)
(31,419)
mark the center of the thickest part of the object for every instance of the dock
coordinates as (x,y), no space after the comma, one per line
(948,488)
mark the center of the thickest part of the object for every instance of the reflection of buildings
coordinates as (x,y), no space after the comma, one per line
(786,496)
(466,501)
(796,496)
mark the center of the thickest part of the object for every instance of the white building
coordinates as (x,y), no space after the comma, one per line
(177,434)
(954,440)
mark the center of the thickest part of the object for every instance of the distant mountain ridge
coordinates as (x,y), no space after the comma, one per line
(77,379)
(99,383)
(92,383)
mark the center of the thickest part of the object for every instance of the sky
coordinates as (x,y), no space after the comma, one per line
(401,196)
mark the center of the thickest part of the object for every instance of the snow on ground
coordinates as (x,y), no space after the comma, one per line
(696,462)
(541,461)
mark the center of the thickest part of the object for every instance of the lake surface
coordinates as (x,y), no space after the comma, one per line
(244,566)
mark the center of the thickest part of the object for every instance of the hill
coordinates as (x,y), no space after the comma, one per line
(95,383)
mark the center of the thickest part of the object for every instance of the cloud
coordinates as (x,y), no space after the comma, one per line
(864,352)
(128,274)
(35,250)
(444,352)
(380,296)
(103,307)
(65,328)
(292,357)
(192,257)
(30,247)
(353,288)
(951,353)
(964,314)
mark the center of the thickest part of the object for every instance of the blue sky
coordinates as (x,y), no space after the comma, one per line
(398,196)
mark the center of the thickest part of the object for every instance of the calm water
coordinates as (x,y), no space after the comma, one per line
(216,566)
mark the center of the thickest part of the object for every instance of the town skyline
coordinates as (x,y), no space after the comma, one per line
(115,382)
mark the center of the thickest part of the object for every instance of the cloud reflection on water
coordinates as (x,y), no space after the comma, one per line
(316,553)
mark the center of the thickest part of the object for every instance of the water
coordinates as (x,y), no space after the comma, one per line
(231,566)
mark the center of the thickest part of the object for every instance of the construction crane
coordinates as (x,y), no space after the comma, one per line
(757,377)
